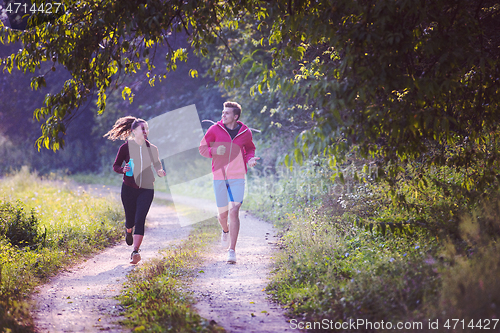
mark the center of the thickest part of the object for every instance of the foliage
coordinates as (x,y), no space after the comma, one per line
(18,228)
(159,287)
(392,80)
(470,288)
(432,199)
(65,226)
(330,267)
(86,149)
(396,80)
(469,282)
(324,274)
(98,43)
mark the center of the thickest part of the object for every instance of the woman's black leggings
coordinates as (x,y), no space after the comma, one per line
(136,202)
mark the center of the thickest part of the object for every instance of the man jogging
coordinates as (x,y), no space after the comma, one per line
(229,144)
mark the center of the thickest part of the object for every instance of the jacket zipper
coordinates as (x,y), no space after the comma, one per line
(140,175)
(231,147)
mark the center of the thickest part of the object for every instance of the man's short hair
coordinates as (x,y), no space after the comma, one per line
(236,108)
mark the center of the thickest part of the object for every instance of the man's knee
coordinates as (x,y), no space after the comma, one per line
(223,215)
(235,209)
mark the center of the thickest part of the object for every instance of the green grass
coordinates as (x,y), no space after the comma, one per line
(443,261)
(324,273)
(103,178)
(59,225)
(156,296)
(66,223)
(199,188)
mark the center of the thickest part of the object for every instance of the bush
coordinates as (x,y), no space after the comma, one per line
(470,285)
(324,273)
(423,249)
(19,228)
(74,224)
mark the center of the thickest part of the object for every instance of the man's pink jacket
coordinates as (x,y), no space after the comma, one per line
(233,164)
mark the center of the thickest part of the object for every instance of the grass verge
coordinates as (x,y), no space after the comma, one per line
(201,188)
(345,255)
(46,225)
(104,178)
(156,296)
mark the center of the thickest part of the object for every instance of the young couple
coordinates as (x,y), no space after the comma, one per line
(228,143)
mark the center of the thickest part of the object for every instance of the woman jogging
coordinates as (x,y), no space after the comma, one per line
(134,160)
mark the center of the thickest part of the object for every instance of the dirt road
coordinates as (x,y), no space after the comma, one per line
(233,295)
(82,299)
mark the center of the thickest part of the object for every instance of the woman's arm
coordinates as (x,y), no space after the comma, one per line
(120,157)
(157,164)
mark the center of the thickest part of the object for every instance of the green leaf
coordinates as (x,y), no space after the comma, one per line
(193,73)
(298,156)
(126,92)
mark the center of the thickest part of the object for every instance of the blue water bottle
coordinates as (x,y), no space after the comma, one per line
(130,173)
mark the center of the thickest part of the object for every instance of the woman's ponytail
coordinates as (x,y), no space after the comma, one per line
(121,129)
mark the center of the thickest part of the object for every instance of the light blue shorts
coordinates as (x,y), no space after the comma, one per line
(231,190)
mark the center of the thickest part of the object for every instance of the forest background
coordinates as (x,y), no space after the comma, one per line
(378,144)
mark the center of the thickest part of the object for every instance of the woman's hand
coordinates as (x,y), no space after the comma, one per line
(126,168)
(161,173)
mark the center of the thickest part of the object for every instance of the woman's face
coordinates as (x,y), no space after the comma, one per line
(141,131)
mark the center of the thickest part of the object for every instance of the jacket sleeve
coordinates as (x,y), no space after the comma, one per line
(120,157)
(249,148)
(156,155)
(204,148)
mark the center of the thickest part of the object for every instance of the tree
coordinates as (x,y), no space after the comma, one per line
(86,149)
(394,79)
(101,42)
(238,62)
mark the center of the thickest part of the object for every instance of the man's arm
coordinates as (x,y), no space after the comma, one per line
(249,149)
(204,148)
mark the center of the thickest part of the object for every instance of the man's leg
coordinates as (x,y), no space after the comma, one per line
(222,217)
(221,199)
(236,192)
(234,224)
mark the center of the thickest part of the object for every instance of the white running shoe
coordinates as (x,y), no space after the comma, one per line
(135,257)
(231,256)
(224,239)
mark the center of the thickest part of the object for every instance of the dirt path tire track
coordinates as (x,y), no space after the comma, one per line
(233,295)
(82,299)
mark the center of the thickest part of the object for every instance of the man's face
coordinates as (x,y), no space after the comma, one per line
(228,116)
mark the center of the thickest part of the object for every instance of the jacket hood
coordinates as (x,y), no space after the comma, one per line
(243,126)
